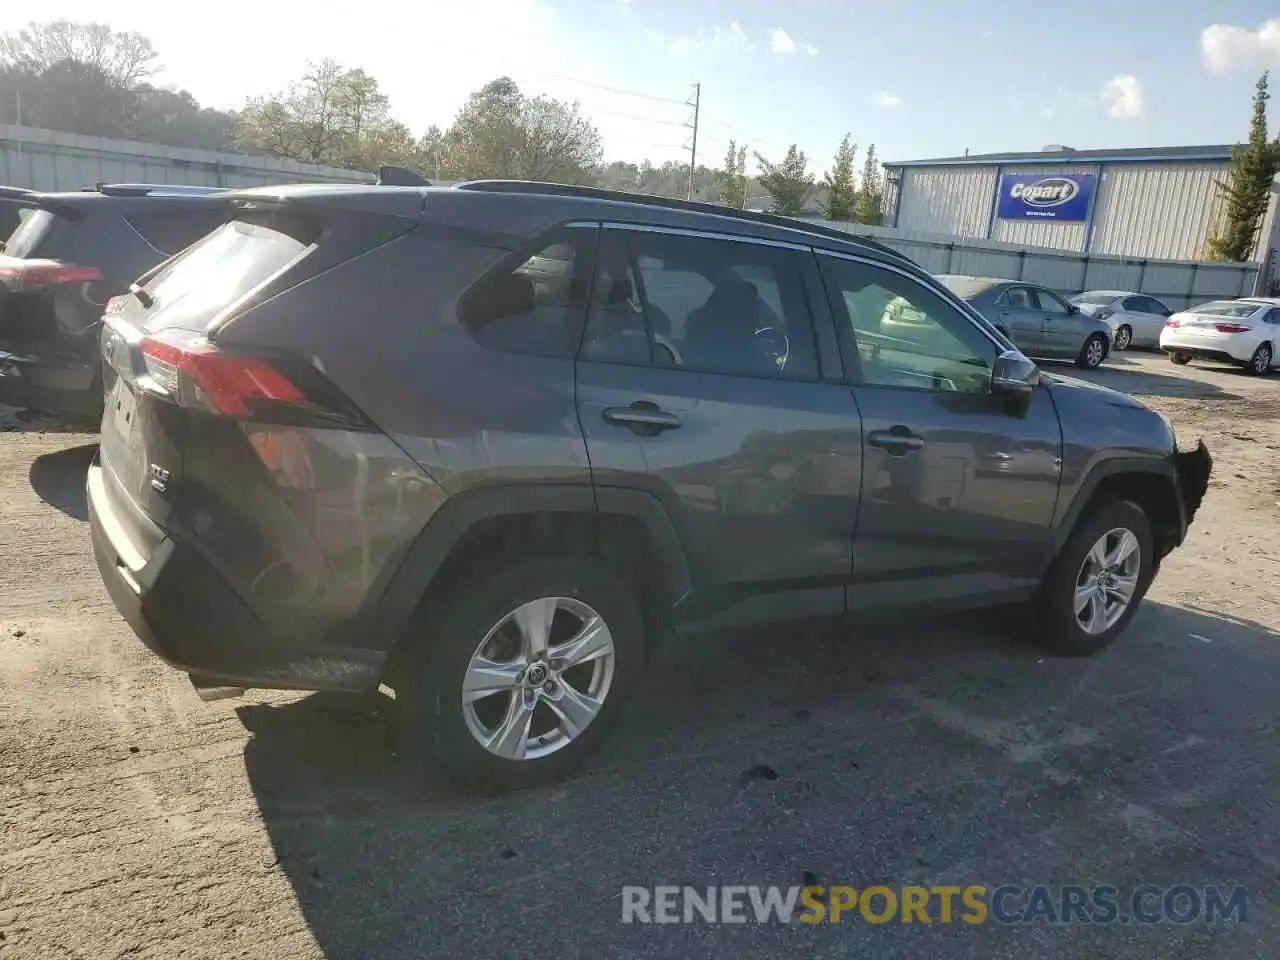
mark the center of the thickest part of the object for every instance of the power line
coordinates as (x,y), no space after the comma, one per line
(618,90)
(746,133)
(629,116)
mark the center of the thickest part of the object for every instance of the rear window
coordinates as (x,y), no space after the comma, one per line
(220,269)
(1228,308)
(1097,299)
(33,224)
(966,288)
(171,231)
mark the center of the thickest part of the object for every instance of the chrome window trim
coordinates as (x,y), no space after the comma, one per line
(704,235)
(962,307)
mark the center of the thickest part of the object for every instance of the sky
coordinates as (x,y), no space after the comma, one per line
(917,79)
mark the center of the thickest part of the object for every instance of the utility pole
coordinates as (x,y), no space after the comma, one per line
(696,103)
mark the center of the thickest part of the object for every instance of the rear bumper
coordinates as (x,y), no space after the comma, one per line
(1222,350)
(183,610)
(50,384)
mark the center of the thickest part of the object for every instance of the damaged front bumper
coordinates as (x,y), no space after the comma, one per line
(1193,469)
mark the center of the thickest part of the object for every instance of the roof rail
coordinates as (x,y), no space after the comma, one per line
(693,206)
(156,190)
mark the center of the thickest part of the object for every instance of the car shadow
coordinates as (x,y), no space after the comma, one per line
(1130,378)
(58,478)
(759,759)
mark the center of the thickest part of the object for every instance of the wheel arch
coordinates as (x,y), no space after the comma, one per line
(574,518)
(1151,484)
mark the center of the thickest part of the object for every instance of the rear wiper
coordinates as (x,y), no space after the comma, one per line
(144,298)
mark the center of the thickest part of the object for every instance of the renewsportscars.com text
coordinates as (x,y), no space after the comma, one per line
(939,904)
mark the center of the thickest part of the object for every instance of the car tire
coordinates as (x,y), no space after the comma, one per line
(1124,338)
(1260,363)
(1057,621)
(445,734)
(1179,359)
(1093,352)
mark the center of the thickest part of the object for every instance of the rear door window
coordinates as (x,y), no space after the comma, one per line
(171,231)
(223,267)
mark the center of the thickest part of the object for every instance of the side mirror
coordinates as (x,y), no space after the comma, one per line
(1014,375)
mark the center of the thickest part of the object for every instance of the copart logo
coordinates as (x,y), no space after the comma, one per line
(1050,192)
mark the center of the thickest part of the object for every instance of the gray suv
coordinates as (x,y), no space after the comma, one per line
(492,444)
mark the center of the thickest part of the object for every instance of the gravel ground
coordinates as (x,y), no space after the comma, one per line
(136,821)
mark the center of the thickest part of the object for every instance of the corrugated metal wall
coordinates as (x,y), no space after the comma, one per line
(1161,210)
(1179,283)
(946,199)
(1156,210)
(46,160)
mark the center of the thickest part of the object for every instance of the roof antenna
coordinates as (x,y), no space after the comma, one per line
(389,176)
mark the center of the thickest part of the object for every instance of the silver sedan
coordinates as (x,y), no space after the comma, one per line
(1040,322)
(1135,319)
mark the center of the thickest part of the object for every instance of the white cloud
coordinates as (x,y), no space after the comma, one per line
(810,49)
(781,41)
(624,6)
(1226,47)
(989,33)
(1123,95)
(885,100)
(731,37)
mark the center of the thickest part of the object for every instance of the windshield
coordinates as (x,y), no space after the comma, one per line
(1097,299)
(33,223)
(966,288)
(222,268)
(1227,308)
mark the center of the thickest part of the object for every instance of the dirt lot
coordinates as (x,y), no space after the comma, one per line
(136,821)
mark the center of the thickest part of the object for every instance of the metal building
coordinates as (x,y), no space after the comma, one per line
(1157,202)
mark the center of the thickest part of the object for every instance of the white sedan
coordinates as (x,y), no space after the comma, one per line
(1245,332)
(1135,319)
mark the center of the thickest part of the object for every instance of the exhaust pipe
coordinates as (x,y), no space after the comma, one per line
(209,690)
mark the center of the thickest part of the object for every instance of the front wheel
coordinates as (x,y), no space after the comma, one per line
(1093,352)
(1260,362)
(521,677)
(1124,338)
(1097,581)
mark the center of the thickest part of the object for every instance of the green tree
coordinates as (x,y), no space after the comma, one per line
(733,188)
(1247,190)
(501,133)
(870,209)
(842,192)
(789,183)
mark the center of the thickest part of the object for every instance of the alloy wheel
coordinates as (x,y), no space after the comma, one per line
(538,678)
(1262,359)
(1107,581)
(1123,338)
(1094,352)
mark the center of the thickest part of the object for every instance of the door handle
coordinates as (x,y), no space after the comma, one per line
(642,415)
(896,441)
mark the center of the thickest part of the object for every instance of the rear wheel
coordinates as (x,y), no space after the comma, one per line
(1093,352)
(520,679)
(1097,581)
(1124,337)
(1180,359)
(1260,362)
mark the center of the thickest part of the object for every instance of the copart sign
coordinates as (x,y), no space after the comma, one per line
(1030,196)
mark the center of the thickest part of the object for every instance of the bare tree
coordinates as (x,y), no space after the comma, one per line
(124,58)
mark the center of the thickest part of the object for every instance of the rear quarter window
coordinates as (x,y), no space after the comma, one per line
(225,266)
(171,231)
(33,226)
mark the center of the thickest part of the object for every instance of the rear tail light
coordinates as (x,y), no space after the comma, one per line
(1171,322)
(25,275)
(202,376)
(1232,327)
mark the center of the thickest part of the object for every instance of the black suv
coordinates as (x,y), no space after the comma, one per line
(491,444)
(67,256)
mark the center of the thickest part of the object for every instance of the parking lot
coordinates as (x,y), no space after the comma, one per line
(137,821)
